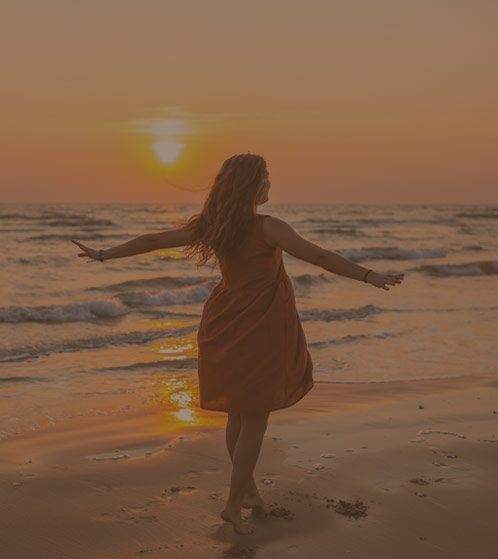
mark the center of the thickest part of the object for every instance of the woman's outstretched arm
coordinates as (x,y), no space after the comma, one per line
(281,234)
(144,243)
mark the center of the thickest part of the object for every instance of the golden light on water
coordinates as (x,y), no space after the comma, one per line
(183,398)
(176,351)
(177,393)
(185,415)
(172,324)
(177,397)
(170,254)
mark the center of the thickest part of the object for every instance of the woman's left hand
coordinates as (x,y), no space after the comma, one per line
(380,280)
(89,252)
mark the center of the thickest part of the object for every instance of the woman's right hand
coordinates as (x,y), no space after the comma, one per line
(382,280)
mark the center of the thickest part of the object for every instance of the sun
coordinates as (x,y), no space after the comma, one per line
(167,151)
(168,136)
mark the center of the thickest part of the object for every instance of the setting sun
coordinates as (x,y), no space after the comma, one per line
(167,151)
(168,133)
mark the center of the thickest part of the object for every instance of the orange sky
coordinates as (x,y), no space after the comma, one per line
(348,101)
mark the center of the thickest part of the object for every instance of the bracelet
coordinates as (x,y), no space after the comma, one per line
(101,254)
(366,274)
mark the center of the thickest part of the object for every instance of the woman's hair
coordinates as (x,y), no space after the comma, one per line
(223,225)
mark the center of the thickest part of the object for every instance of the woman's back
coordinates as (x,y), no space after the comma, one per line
(252,350)
(257,265)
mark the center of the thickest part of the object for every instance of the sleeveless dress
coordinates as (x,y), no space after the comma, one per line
(252,352)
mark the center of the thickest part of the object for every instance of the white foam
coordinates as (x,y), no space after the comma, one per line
(72,312)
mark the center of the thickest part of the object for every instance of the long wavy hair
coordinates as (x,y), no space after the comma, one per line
(222,227)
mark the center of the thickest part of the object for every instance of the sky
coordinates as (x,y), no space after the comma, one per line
(352,101)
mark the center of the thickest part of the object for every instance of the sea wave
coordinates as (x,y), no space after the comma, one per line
(375,221)
(97,342)
(396,380)
(26,379)
(114,307)
(328,315)
(391,253)
(185,290)
(73,312)
(354,338)
(308,280)
(483,268)
(196,294)
(472,247)
(155,282)
(17,216)
(58,219)
(479,215)
(405,220)
(336,230)
(39,259)
(19,230)
(80,222)
(86,236)
(185,363)
(172,282)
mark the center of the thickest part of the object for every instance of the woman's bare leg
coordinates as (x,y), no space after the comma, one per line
(245,456)
(252,498)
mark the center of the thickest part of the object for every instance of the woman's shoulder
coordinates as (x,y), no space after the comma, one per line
(266,220)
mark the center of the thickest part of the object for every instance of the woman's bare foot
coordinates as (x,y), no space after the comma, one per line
(256,503)
(234,516)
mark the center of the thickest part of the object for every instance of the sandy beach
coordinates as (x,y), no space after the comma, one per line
(392,469)
(237,205)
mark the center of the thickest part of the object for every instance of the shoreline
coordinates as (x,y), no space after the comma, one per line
(343,469)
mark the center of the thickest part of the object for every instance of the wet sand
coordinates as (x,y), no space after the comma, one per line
(363,471)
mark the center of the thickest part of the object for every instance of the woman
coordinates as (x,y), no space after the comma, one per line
(252,353)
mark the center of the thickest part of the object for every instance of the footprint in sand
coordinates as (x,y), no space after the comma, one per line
(281,512)
(147,549)
(173,492)
(419,481)
(132,514)
(109,456)
(355,509)
(136,514)
(239,552)
(139,518)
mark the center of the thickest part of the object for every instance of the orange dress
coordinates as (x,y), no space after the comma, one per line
(252,352)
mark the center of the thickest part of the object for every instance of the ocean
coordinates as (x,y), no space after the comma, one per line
(81,337)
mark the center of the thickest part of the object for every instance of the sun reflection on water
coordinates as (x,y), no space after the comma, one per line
(178,349)
(177,393)
(185,415)
(177,397)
